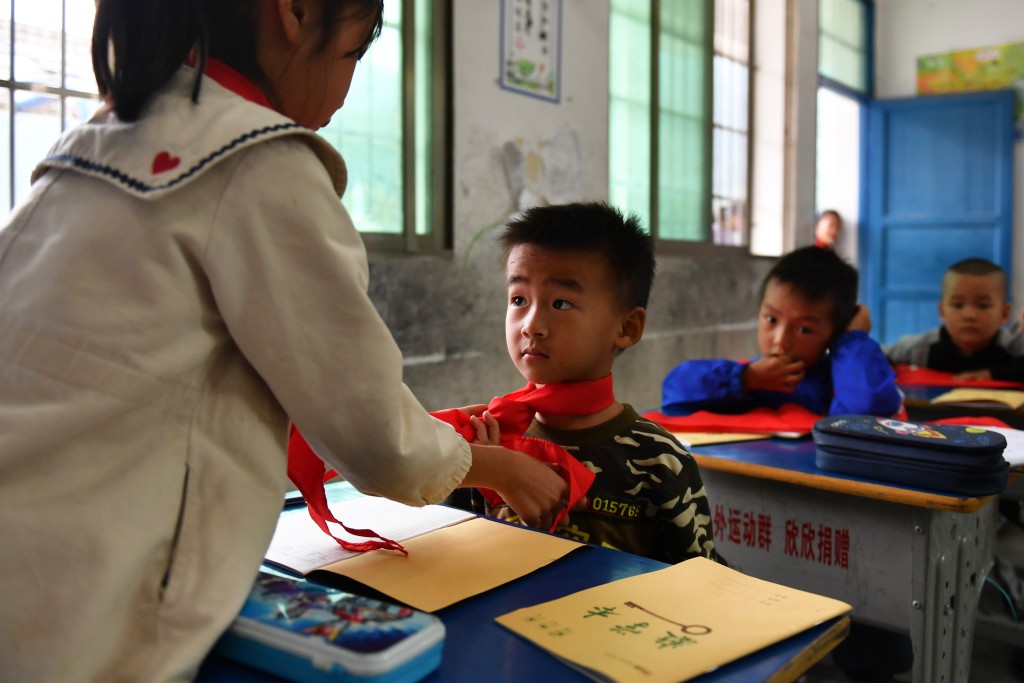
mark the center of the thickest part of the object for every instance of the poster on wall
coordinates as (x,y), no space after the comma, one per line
(531,47)
(988,68)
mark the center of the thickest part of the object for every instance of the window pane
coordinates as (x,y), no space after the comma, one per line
(79,76)
(5,149)
(36,127)
(37,49)
(78,110)
(629,116)
(368,133)
(5,39)
(842,42)
(682,50)
(424,106)
(730,137)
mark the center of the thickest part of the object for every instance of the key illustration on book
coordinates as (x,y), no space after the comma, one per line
(688,629)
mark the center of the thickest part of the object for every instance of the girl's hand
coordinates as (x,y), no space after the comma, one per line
(533,489)
(773,373)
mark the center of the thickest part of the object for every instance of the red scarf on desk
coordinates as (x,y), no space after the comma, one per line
(788,418)
(514,413)
(912,375)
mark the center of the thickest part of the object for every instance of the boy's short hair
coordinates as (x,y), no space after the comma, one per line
(590,226)
(819,275)
(975,266)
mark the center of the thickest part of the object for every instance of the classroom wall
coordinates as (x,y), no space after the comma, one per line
(907,29)
(447,313)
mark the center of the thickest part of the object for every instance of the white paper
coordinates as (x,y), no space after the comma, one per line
(1014,453)
(300,545)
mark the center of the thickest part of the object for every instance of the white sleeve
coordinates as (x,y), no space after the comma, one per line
(289,275)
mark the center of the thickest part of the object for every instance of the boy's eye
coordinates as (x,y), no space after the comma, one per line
(518,301)
(562,305)
(770,319)
(803,329)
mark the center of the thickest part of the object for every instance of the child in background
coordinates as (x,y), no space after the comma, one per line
(180,281)
(579,276)
(827,229)
(815,349)
(971,341)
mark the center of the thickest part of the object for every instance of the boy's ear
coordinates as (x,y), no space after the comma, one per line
(942,311)
(1006,313)
(632,328)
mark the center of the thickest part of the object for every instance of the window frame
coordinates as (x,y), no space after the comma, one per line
(671,246)
(12,86)
(437,237)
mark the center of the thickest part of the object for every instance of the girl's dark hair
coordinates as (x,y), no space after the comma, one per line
(137,45)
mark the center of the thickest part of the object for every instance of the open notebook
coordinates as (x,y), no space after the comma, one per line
(487,553)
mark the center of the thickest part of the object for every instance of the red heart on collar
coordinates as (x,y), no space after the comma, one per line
(164,162)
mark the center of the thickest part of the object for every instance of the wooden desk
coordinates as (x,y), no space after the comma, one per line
(906,559)
(918,402)
(478,649)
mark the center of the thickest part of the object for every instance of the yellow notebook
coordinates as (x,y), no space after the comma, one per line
(1009,398)
(669,625)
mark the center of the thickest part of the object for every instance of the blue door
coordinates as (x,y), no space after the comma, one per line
(938,188)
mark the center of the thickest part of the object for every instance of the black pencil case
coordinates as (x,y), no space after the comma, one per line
(966,461)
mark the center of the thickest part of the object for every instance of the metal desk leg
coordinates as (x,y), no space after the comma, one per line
(951,557)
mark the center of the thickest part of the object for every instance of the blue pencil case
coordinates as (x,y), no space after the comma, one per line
(964,461)
(309,633)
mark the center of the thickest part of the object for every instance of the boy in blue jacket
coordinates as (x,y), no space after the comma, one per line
(815,348)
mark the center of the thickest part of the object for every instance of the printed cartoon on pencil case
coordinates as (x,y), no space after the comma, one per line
(956,459)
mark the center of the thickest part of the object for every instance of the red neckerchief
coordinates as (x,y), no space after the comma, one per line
(227,77)
(515,412)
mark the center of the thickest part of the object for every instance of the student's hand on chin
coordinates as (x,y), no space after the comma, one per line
(773,373)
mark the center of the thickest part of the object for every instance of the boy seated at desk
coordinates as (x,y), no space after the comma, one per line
(971,342)
(816,352)
(578,278)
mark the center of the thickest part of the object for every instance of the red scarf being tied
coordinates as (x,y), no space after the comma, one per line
(514,413)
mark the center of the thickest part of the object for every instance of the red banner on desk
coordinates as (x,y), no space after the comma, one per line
(787,419)
(910,375)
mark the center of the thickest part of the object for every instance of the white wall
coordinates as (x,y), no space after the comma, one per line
(907,29)
(486,117)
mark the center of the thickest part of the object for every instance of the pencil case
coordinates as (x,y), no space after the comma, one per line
(965,461)
(308,633)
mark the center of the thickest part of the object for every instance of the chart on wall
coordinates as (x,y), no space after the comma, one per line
(531,47)
(988,68)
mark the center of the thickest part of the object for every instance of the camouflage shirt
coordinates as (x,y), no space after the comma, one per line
(647,498)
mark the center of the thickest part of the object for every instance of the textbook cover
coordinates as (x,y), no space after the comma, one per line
(316,634)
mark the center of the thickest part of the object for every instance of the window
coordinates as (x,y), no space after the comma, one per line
(843,49)
(390,131)
(46,83)
(679,117)
(730,123)
(844,76)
